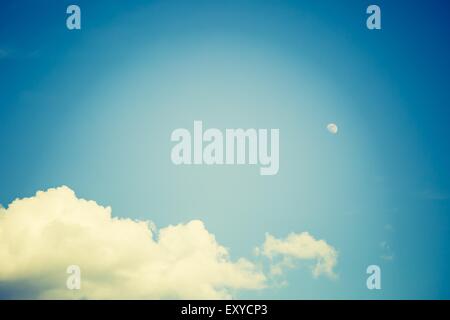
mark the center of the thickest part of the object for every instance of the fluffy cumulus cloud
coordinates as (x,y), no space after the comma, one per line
(121,258)
(301,246)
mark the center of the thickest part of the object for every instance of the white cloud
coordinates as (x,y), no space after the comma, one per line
(430,194)
(127,259)
(119,258)
(300,246)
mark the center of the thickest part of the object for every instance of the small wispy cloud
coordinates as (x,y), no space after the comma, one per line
(300,246)
(19,54)
(430,194)
(122,258)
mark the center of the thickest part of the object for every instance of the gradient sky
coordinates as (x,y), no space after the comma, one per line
(94,109)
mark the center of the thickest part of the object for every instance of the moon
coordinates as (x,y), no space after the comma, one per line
(332,128)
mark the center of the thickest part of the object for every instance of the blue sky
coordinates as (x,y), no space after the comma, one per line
(93,109)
